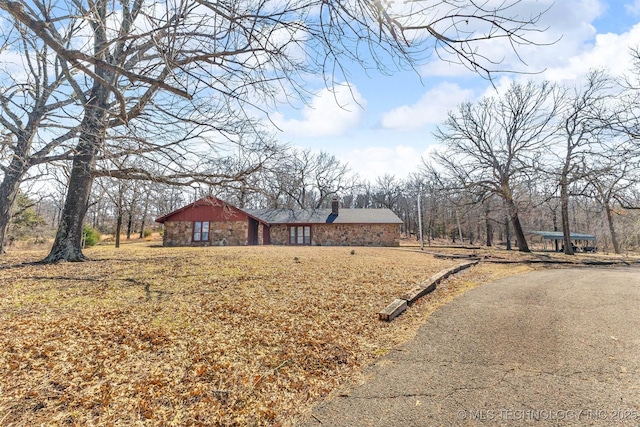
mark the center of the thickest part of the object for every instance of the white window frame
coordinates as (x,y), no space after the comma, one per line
(201,231)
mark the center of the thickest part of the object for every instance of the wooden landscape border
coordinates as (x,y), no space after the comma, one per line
(399,305)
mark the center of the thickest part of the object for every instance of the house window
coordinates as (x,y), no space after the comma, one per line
(200,231)
(300,235)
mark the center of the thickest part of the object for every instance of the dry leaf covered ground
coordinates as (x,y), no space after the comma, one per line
(148,335)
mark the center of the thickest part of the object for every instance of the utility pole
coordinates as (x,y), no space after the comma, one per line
(420,218)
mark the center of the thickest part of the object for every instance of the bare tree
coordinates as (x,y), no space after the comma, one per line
(613,181)
(583,128)
(613,166)
(331,178)
(362,195)
(607,188)
(434,189)
(627,122)
(497,143)
(118,192)
(387,192)
(31,107)
(304,179)
(299,180)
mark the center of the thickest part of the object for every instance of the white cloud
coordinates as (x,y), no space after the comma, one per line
(372,162)
(331,113)
(431,108)
(566,30)
(610,52)
(633,8)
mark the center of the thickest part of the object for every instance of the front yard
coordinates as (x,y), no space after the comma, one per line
(148,335)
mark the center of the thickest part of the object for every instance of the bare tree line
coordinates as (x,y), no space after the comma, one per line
(449,213)
(551,142)
(164,96)
(542,141)
(162,91)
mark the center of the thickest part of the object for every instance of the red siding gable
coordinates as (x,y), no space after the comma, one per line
(206,209)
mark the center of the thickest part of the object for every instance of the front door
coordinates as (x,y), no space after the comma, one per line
(252,233)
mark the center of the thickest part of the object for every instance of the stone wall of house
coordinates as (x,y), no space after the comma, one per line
(344,234)
(279,234)
(356,234)
(221,233)
(177,233)
(261,234)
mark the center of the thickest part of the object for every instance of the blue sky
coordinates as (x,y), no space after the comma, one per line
(386,124)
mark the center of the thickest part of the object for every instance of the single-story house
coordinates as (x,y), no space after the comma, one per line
(213,222)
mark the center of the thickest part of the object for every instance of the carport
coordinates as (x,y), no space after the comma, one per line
(581,242)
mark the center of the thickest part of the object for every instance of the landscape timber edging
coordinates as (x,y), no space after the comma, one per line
(456,256)
(399,305)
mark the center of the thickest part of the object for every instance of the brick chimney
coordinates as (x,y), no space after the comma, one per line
(335,203)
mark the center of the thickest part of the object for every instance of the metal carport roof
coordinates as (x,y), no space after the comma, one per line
(557,235)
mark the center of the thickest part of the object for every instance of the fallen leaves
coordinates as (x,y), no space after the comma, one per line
(199,336)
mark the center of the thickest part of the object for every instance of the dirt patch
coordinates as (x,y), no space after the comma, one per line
(202,336)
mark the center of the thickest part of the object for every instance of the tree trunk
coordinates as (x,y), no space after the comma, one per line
(141,235)
(488,225)
(612,230)
(555,228)
(144,215)
(118,227)
(67,245)
(470,226)
(129,225)
(444,232)
(8,192)
(507,232)
(564,215)
(13,177)
(459,227)
(119,211)
(94,220)
(517,229)
(514,218)
(489,231)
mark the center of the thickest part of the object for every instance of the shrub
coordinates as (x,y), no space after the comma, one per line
(147,232)
(25,223)
(90,236)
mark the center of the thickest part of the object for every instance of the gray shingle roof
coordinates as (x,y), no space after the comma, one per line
(324,216)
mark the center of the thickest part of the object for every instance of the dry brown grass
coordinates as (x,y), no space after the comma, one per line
(201,336)
(499,254)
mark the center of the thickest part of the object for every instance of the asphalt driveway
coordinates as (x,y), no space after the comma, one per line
(549,348)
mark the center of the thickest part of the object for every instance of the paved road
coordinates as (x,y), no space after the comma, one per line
(550,348)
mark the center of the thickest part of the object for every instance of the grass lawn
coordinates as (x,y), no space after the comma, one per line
(146,335)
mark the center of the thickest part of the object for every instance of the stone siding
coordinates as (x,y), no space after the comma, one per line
(261,234)
(279,234)
(344,234)
(221,233)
